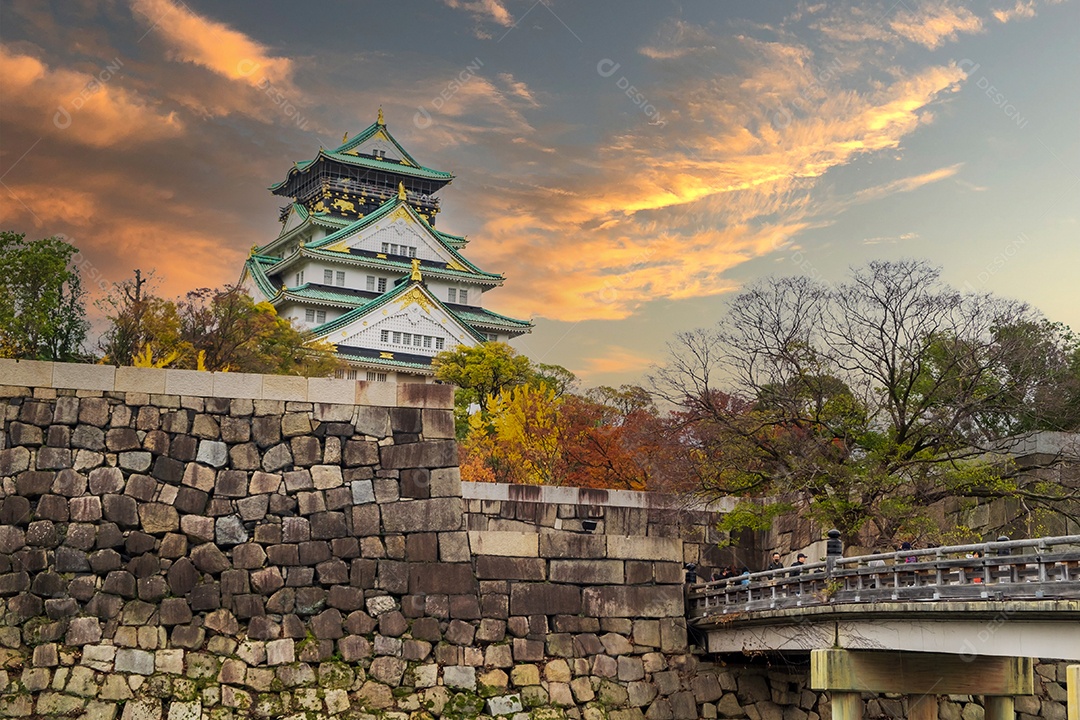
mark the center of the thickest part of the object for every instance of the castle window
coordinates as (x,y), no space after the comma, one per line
(463,297)
(320,316)
(438,343)
(341,278)
(384,335)
(397,338)
(382,284)
(376,376)
(328,277)
(451,295)
(406,338)
(416,340)
(427,341)
(309,315)
(300,278)
(371,283)
(412,251)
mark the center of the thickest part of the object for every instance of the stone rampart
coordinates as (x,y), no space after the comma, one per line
(176,544)
(181,546)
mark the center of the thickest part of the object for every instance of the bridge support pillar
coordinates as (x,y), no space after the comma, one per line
(846,705)
(1073,682)
(847,673)
(999,707)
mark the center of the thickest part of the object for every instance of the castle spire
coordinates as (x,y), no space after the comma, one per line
(380,121)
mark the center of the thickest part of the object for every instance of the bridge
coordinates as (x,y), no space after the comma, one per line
(964,619)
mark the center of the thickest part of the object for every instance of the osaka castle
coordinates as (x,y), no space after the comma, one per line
(360,264)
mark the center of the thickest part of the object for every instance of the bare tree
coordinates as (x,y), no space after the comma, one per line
(862,403)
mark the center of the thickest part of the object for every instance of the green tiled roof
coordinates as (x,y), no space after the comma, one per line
(487,317)
(257,266)
(383,210)
(338,323)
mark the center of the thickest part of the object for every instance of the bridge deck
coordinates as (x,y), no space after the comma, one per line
(1029,570)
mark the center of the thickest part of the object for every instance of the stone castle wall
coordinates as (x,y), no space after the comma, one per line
(180,545)
(177,545)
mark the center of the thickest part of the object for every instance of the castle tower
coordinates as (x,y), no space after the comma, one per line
(359,263)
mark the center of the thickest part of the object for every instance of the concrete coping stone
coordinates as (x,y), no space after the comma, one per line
(106,378)
(553,495)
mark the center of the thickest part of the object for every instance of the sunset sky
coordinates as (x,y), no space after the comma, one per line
(627,165)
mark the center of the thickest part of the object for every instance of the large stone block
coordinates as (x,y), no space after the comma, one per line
(189,382)
(490,567)
(31,373)
(572,545)
(428,454)
(658,601)
(284,387)
(419,395)
(644,548)
(141,380)
(544,599)
(331,390)
(441,578)
(238,385)
(83,377)
(379,394)
(422,515)
(587,572)
(507,544)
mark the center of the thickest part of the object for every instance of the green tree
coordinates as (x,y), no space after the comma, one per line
(143,327)
(210,329)
(42,312)
(228,330)
(480,373)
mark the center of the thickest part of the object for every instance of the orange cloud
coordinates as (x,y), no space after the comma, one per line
(213,45)
(668,213)
(491,10)
(91,109)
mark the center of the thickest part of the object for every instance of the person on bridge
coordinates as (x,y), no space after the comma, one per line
(800,560)
(775,563)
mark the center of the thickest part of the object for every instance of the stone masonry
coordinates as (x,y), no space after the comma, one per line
(178,545)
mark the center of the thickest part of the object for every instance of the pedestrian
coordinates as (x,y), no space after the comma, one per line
(800,560)
(775,563)
(745,575)
(907,546)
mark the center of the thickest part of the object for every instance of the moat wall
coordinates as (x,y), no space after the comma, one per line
(189,545)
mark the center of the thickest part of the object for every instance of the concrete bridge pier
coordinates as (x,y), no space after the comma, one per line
(845,674)
(1073,688)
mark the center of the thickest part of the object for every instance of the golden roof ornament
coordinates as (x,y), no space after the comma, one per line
(380,121)
(254,250)
(416,277)
(401,191)
(345,138)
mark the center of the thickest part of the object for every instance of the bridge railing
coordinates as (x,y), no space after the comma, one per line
(1011,570)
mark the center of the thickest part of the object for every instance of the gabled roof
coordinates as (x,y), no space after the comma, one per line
(344,153)
(371,131)
(399,291)
(385,209)
(307,220)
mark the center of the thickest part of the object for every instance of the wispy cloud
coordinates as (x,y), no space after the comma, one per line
(213,45)
(891,240)
(932,25)
(484,10)
(907,184)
